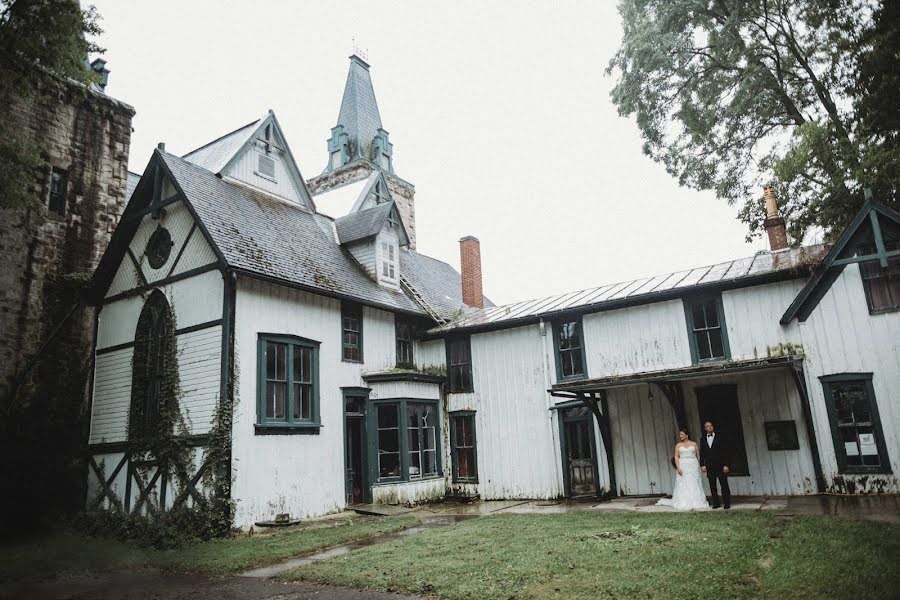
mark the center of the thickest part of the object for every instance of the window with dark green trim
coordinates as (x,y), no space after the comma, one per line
(351,332)
(288,393)
(569,343)
(405,447)
(706,328)
(459,364)
(404,339)
(855,426)
(463,447)
(882,284)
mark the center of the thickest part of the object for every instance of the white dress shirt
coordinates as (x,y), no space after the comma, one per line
(710,438)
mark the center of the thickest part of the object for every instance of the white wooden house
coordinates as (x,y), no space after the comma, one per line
(340,366)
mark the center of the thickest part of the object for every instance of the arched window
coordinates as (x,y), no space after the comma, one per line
(153,339)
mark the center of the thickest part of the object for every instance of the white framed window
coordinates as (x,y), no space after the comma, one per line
(388,261)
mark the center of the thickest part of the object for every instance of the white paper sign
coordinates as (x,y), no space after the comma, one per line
(851,448)
(867,444)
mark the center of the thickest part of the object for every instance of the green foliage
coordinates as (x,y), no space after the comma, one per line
(588,555)
(42,43)
(733,94)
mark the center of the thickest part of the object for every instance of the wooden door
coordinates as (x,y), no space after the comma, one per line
(580,457)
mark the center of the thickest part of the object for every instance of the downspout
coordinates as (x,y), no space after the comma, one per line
(554,431)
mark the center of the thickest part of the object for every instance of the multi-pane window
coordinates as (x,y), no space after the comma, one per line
(388,261)
(882,284)
(856,428)
(407,433)
(459,365)
(404,336)
(58,183)
(422,450)
(288,388)
(351,332)
(154,340)
(462,447)
(569,349)
(388,416)
(706,327)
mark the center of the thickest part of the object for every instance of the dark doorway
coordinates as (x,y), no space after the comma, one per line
(719,404)
(357,488)
(579,452)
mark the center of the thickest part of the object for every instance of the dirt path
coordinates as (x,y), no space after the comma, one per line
(152,584)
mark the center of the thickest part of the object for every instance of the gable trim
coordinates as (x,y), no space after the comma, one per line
(832,266)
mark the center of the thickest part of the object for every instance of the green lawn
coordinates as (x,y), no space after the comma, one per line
(69,553)
(603,555)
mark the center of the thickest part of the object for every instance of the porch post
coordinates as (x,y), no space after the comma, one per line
(600,409)
(800,382)
(675,396)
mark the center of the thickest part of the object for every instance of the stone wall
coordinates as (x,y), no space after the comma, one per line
(46,260)
(403,192)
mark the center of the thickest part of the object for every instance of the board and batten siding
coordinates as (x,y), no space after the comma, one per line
(840,336)
(431,353)
(364,253)
(517,435)
(302,475)
(752,318)
(246,170)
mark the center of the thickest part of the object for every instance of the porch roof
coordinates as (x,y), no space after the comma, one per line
(572,389)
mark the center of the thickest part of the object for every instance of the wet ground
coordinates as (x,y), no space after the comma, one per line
(255,583)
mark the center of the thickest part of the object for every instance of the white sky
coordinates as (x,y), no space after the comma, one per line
(499,114)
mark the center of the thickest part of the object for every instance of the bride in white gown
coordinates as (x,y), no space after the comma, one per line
(688,493)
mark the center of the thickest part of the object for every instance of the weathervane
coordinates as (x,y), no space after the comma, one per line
(363,54)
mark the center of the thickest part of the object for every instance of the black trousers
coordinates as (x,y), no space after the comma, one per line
(712,476)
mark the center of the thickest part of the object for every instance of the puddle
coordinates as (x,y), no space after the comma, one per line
(426,524)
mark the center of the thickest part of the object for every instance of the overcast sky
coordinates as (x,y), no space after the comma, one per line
(499,114)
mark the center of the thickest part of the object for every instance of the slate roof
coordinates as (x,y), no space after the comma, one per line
(215,155)
(362,224)
(261,234)
(744,271)
(439,283)
(359,110)
(130,184)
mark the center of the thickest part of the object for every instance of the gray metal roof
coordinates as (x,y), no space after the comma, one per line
(215,155)
(736,272)
(362,224)
(359,110)
(276,239)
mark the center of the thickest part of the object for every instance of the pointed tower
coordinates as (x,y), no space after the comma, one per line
(359,145)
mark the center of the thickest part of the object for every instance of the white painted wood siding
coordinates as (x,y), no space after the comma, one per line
(636,339)
(364,253)
(246,170)
(431,354)
(200,374)
(518,448)
(405,389)
(752,315)
(298,474)
(112,397)
(841,336)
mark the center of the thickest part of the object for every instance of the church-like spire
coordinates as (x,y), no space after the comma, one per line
(358,133)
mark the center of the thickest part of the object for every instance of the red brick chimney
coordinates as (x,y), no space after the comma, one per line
(774,222)
(470,265)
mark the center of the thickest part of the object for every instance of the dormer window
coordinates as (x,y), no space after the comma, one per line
(391,221)
(388,261)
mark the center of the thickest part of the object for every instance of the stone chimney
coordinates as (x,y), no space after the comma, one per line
(470,265)
(774,222)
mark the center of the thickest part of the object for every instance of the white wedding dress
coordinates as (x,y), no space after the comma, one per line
(688,493)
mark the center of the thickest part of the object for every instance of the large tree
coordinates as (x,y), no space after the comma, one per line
(733,94)
(42,43)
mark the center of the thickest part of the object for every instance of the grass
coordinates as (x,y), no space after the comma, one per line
(602,555)
(68,553)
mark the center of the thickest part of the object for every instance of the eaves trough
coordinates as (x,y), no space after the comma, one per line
(404,375)
(574,389)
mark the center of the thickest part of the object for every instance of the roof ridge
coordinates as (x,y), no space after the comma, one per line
(218,139)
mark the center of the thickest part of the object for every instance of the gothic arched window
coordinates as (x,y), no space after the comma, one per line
(153,340)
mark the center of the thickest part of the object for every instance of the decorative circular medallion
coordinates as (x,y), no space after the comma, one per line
(159,246)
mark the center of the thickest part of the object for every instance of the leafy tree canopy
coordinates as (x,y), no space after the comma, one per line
(733,94)
(41,41)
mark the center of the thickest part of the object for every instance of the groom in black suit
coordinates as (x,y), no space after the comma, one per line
(714,462)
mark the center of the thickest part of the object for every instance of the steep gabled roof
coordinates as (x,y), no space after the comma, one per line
(873,229)
(369,222)
(219,155)
(216,154)
(439,283)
